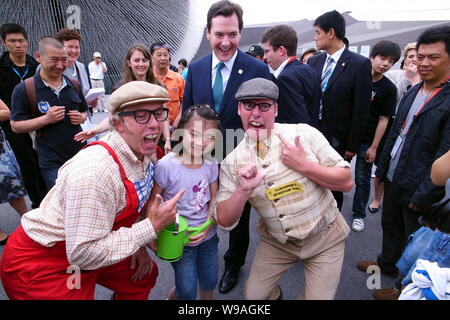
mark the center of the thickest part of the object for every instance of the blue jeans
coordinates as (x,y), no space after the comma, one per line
(50,175)
(363,173)
(198,267)
(424,244)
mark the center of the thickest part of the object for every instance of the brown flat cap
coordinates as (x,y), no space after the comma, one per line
(136,92)
(257,88)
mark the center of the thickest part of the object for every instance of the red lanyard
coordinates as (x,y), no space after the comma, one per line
(291,59)
(424,104)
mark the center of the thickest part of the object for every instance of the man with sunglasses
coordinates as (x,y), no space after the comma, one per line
(286,172)
(94,225)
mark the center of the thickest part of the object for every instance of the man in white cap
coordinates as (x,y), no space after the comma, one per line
(286,172)
(94,225)
(97,69)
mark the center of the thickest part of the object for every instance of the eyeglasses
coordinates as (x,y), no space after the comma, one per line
(143,116)
(263,106)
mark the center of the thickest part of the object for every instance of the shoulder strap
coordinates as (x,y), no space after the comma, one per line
(31,94)
(112,153)
(76,84)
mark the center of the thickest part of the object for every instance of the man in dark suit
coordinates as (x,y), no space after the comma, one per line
(214,80)
(298,83)
(346,83)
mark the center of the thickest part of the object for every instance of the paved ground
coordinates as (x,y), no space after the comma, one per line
(353,285)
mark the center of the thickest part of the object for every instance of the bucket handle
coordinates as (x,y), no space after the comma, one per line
(197,230)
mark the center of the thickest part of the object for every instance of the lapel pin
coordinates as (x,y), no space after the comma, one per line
(240,71)
(343,64)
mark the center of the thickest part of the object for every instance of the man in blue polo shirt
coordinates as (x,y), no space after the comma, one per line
(57,114)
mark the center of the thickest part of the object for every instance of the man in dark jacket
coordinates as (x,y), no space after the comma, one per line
(419,135)
(298,83)
(346,84)
(16,66)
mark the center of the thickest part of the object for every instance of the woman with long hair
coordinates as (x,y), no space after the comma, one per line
(137,67)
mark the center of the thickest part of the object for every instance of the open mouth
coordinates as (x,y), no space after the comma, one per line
(225,51)
(151,138)
(256,125)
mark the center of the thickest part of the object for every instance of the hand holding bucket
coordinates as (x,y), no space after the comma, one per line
(170,243)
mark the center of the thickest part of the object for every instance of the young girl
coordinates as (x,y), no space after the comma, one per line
(191,171)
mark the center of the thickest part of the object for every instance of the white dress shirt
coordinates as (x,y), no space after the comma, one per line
(226,70)
(336,56)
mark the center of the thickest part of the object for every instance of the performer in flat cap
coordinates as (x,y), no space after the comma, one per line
(88,230)
(286,171)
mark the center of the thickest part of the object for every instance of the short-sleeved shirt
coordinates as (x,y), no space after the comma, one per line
(294,216)
(175,84)
(384,100)
(54,142)
(172,177)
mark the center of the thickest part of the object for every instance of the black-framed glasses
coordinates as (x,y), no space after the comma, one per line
(143,116)
(263,106)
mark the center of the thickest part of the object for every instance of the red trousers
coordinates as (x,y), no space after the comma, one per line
(29,271)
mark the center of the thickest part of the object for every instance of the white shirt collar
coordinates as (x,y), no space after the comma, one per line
(337,55)
(229,64)
(280,69)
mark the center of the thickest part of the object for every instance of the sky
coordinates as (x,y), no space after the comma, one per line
(265,11)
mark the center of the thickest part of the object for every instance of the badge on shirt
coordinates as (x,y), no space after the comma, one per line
(284,190)
(43,106)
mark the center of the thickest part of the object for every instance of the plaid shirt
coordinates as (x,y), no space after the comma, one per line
(294,216)
(80,209)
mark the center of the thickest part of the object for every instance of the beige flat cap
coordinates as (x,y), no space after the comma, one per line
(136,92)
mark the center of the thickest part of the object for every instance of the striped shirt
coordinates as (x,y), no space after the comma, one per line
(80,209)
(293,216)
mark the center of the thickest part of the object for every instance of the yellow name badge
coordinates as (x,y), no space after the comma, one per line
(284,190)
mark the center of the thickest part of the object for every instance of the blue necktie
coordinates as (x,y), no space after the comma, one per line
(326,74)
(218,87)
(324,83)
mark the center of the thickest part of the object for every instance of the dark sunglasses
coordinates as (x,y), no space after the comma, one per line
(143,116)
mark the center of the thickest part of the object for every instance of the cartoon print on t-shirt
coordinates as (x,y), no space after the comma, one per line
(200,201)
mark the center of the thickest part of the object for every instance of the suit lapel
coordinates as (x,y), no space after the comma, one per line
(234,81)
(340,66)
(206,81)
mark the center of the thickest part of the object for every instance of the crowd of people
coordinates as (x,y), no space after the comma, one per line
(263,129)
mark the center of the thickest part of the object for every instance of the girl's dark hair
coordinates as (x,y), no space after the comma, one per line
(202,110)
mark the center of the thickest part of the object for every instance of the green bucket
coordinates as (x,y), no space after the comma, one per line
(170,243)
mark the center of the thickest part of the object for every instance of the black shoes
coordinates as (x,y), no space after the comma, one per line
(228,281)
